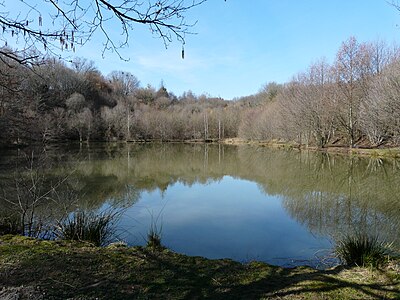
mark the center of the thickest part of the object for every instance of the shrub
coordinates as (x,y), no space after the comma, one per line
(361,250)
(10,225)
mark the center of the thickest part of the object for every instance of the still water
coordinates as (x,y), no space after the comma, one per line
(283,207)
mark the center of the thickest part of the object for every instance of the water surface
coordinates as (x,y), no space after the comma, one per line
(240,202)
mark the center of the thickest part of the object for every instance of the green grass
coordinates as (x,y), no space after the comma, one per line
(74,270)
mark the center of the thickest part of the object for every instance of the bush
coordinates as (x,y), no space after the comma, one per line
(10,225)
(361,250)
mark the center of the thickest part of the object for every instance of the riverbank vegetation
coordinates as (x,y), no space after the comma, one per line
(97,228)
(360,249)
(62,269)
(352,102)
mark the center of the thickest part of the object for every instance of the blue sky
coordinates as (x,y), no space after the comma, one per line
(241,45)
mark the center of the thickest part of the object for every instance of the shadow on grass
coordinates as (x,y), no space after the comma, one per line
(225,279)
(291,283)
(61,271)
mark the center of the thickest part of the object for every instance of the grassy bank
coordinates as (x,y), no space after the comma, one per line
(61,270)
(370,152)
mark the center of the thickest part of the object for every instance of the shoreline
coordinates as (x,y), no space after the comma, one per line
(378,152)
(389,152)
(42,269)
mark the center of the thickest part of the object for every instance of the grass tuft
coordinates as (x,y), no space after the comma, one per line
(154,239)
(361,250)
(96,228)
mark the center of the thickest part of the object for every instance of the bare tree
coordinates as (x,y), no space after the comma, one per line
(381,110)
(30,191)
(317,104)
(123,83)
(382,55)
(353,69)
(80,116)
(51,26)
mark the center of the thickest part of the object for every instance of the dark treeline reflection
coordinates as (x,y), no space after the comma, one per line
(329,194)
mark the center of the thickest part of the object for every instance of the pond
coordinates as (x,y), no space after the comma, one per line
(284,207)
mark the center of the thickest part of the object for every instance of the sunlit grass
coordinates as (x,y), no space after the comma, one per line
(71,270)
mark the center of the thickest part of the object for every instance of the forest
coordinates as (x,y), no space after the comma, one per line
(353,101)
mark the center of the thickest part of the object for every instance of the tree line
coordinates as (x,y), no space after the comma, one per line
(353,102)
(54,101)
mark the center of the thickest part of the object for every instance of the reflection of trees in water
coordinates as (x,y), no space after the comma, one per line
(349,195)
(31,199)
(331,194)
(328,214)
(39,189)
(327,193)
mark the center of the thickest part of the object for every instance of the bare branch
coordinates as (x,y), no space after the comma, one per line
(51,26)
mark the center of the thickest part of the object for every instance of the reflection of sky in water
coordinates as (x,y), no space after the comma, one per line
(231,218)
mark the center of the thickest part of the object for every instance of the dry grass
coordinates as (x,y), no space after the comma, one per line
(372,152)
